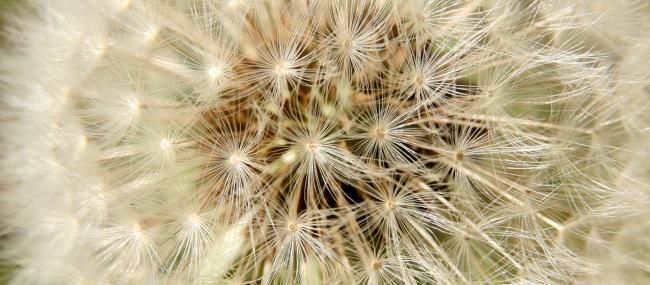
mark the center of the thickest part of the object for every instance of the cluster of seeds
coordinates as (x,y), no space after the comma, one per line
(316,142)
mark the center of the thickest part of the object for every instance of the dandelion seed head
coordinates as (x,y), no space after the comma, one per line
(322,142)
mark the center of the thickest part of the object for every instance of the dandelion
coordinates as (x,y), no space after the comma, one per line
(324,142)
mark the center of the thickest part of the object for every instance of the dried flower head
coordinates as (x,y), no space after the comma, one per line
(321,142)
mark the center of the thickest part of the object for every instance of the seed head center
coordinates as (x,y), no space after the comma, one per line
(281,69)
(233,3)
(311,146)
(194,219)
(133,106)
(459,156)
(235,159)
(376,265)
(214,72)
(379,132)
(418,80)
(292,227)
(137,227)
(346,44)
(165,144)
(150,34)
